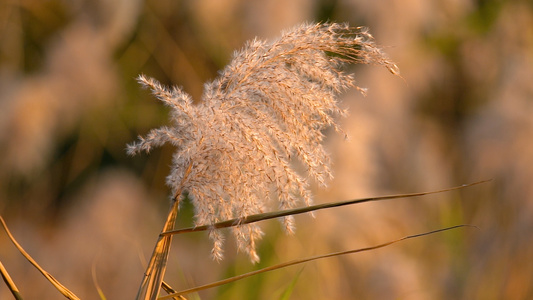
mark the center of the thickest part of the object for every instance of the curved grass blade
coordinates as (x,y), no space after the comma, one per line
(304,260)
(301,210)
(96,284)
(61,288)
(9,282)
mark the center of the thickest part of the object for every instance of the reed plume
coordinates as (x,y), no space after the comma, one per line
(235,149)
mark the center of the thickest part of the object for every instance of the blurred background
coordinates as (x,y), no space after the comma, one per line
(88,213)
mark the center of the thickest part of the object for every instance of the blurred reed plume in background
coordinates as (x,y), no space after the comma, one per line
(269,105)
(69,103)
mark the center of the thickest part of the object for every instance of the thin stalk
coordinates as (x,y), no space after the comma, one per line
(9,282)
(155,272)
(295,211)
(304,260)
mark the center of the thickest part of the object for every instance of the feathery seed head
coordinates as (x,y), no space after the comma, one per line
(268,106)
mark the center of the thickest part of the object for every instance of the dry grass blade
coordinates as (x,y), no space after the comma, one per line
(304,260)
(9,282)
(288,212)
(62,289)
(170,290)
(153,277)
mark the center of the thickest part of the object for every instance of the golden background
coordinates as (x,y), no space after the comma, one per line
(463,112)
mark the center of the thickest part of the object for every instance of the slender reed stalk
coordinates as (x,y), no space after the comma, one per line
(304,260)
(301,210)
(155,272)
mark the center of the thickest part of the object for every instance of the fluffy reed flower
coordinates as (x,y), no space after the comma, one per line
(234,150)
